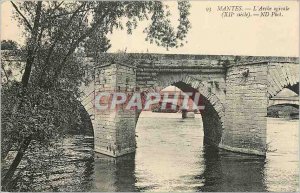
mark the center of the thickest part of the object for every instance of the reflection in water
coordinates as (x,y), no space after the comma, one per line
(114,174)
(171,157)
(70,171)
(225,171)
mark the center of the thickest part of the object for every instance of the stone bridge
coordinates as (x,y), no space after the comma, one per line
(235,91)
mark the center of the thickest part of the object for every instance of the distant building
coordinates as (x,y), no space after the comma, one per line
(173,92)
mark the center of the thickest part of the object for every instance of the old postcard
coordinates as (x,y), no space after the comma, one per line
(150,96)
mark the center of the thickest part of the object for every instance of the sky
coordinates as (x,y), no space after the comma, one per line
(210,33)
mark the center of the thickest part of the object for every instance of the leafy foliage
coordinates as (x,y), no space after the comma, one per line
(43,115)
(97,43)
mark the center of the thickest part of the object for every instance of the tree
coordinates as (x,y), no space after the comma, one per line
(42,104)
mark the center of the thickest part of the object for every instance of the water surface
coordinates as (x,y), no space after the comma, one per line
(170,156)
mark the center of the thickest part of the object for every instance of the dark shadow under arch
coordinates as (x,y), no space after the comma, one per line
(86,126)
(294,88)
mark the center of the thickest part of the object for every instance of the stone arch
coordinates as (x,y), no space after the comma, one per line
(282,75)
(214,112)
(87,105)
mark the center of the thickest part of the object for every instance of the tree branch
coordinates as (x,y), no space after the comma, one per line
(6,75)
(32,44)
(24,18)
(52,10)
(80,39)
(57,39)
(59,35)
(69,13)
(57,6)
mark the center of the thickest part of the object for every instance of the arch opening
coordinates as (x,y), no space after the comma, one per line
(285,104)
(212,124)
(211,118)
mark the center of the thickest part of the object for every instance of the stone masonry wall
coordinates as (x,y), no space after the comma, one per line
(114,129)
(245,109)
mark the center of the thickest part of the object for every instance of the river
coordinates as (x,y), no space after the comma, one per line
(170,156)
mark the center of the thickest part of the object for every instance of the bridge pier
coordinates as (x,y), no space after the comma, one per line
(114,128)
(246,109)
(115,133)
